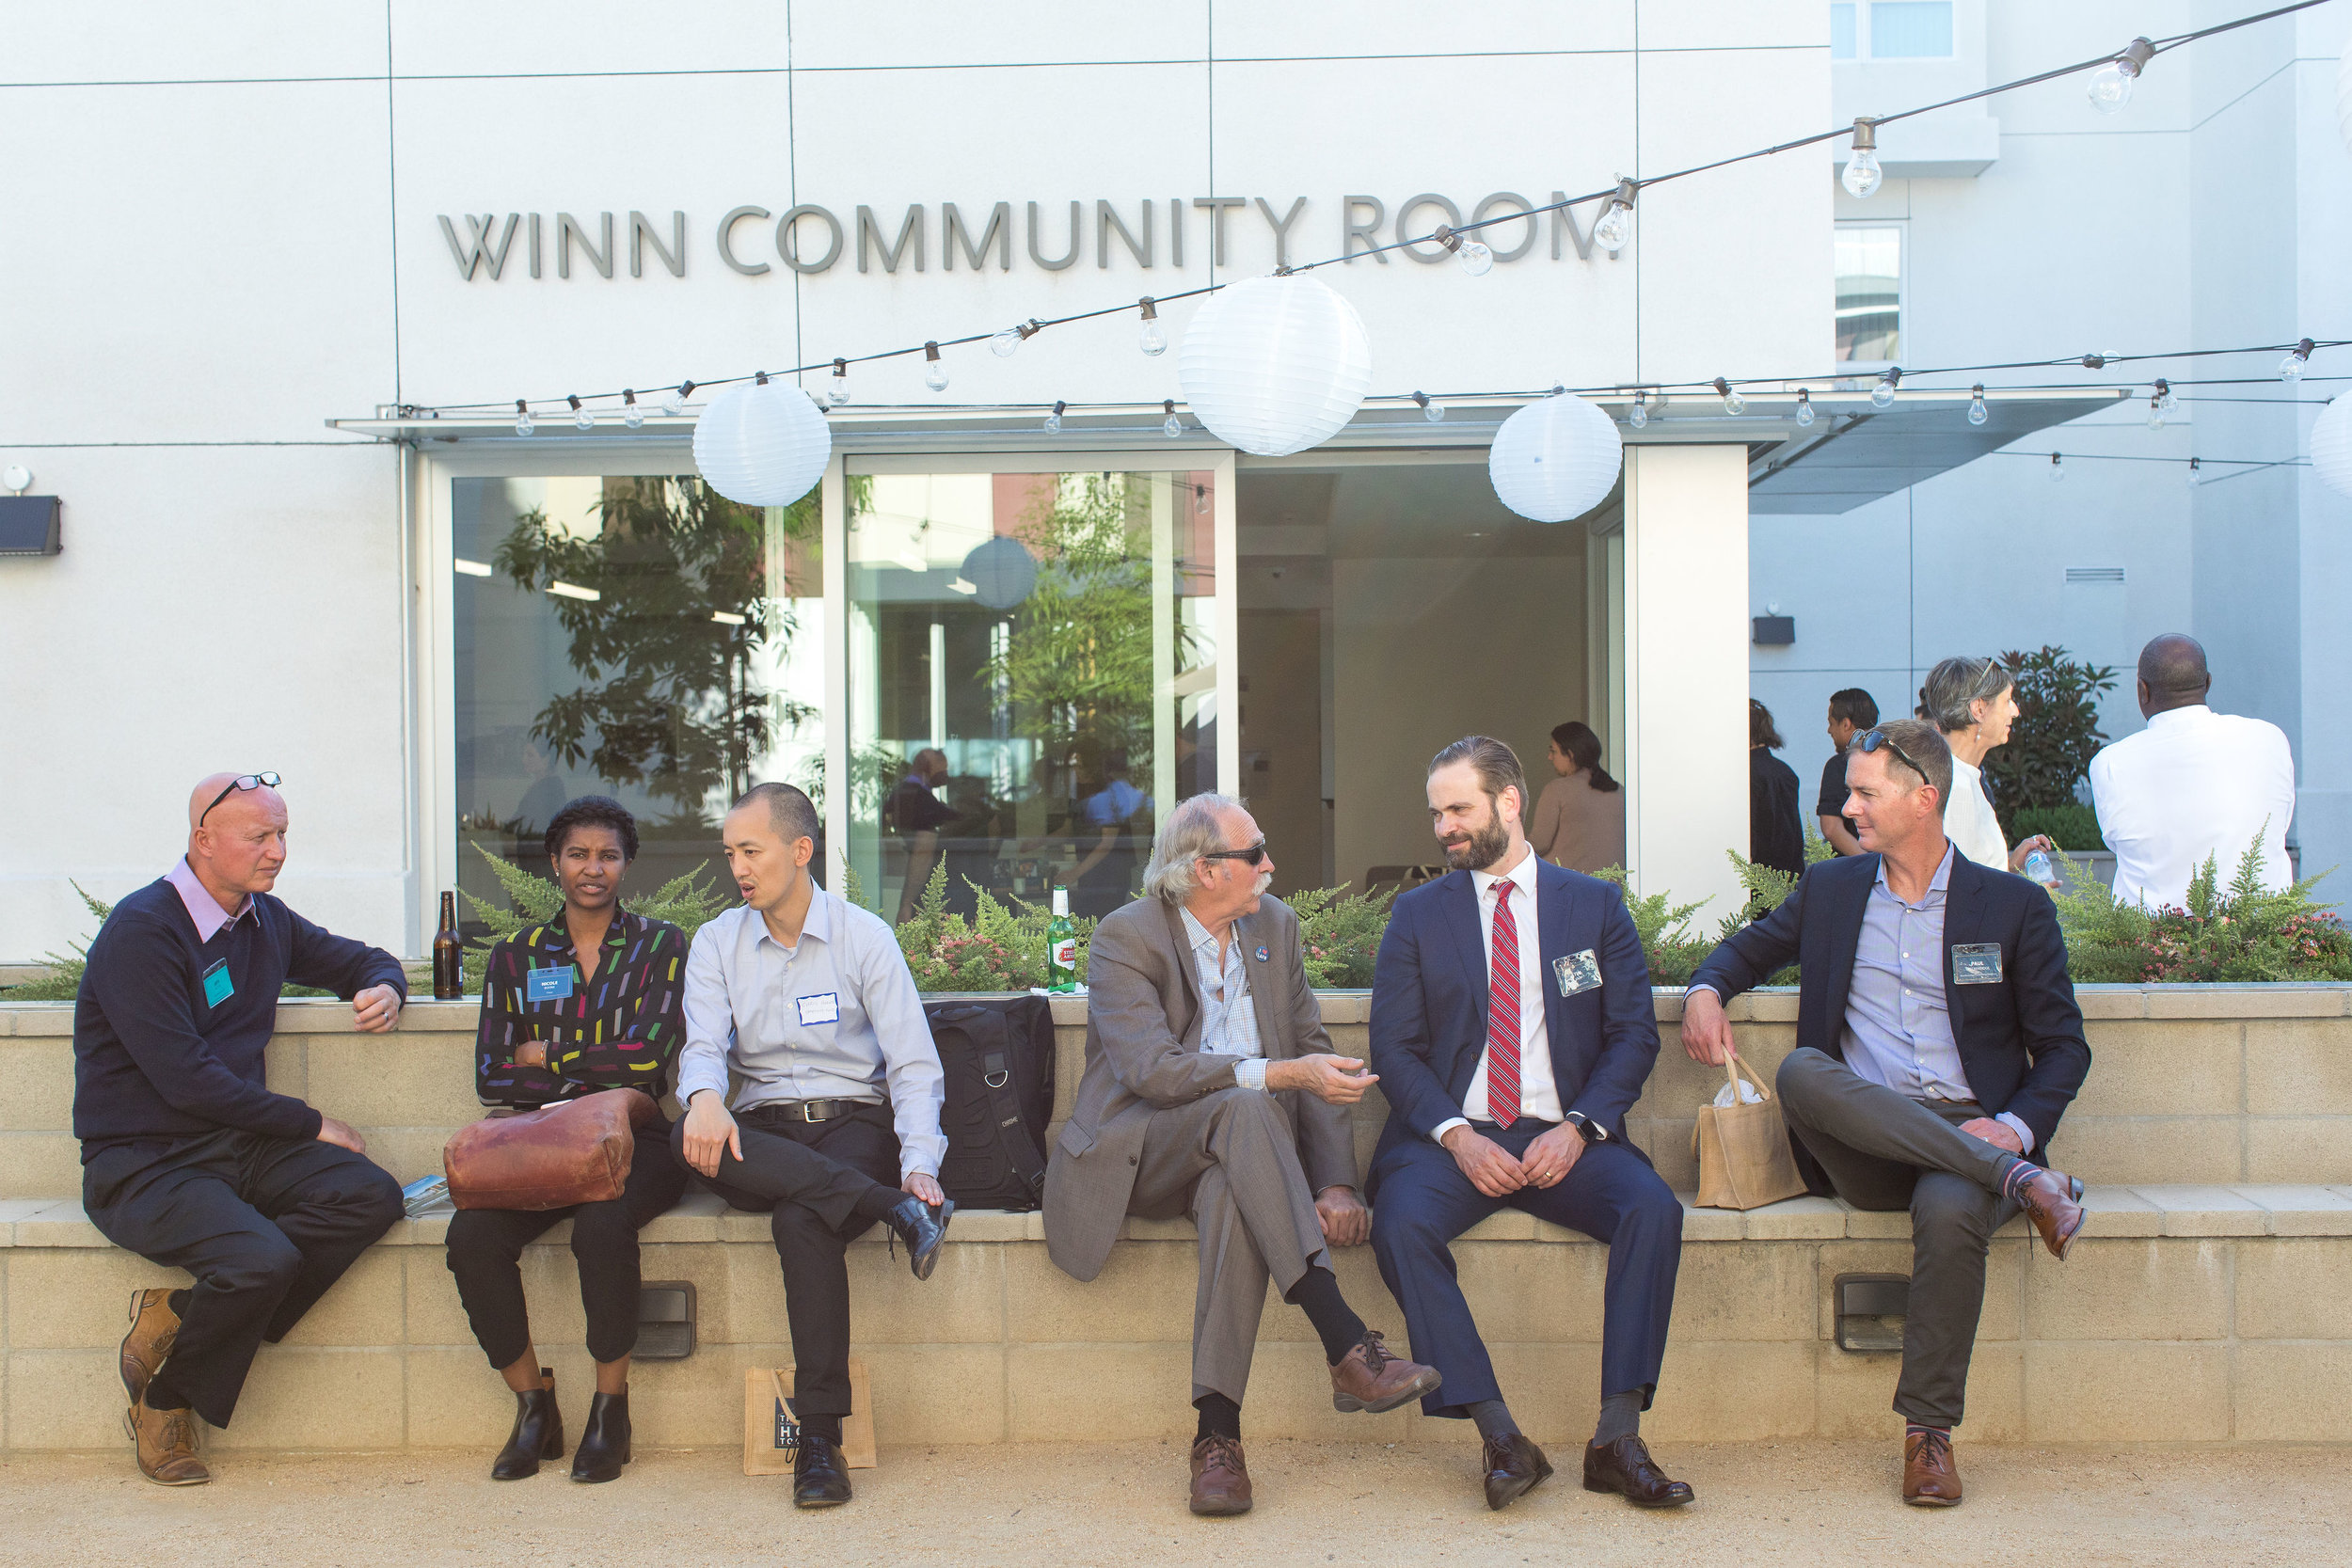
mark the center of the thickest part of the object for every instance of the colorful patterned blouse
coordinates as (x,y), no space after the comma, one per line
(621,1029)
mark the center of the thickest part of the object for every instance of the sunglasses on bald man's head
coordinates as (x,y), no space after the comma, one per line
(243,780)
(1255,854)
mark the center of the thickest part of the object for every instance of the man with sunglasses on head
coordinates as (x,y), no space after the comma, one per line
(1938,1043)
(1211,1090)
(188,1158)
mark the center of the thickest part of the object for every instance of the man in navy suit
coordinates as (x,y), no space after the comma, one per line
(1512,1028)
(1938,1043)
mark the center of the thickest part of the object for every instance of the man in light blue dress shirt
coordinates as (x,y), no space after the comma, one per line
(806,1000)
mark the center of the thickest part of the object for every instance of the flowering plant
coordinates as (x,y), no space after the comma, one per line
(2241,933)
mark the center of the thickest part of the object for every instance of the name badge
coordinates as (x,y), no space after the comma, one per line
(1977,963)
(218,987)
(819,1009)
(547,985)
(1577,972)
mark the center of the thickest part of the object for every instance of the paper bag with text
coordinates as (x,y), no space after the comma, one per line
(772,1427)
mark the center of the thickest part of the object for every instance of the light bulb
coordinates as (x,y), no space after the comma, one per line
(1476,258)
(1053,421)
(1613,229)
(1862,173)
(1804,407)
(1733,402)
(580,417)
(1152,339)
(1004,344)
(1639,416)
(838,392)
(2193,466)
(935,373)
(1883,394)
(1977,412)
(633,412)
(674,400)
(2057,469)
(1199,500)
(1431,410)
(2299,359)
(2155,411)
(2111,83)
(1172,426)
(522,418)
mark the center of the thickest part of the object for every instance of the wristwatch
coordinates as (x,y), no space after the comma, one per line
(1591,1131)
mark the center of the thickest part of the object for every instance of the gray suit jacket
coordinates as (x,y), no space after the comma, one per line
(1143,1054)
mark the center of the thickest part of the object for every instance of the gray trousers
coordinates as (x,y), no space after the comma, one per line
(1230,1160)
(1884,1150)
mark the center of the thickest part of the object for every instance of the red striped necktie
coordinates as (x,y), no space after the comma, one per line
(1503,1015)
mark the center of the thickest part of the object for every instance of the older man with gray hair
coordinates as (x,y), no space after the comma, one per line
(1212,1090)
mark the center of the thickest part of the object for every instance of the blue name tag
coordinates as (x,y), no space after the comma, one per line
(547,985)
(218,987)
(1977,963)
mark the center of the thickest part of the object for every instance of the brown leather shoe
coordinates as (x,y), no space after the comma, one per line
(1515,1466)
(1369,1378)
(1626,1468)
(1930,1479)
(2052,1202)
(1220,1476)
(165,1443)
(154,1328)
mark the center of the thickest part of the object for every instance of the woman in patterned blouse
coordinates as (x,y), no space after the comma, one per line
(585,1003)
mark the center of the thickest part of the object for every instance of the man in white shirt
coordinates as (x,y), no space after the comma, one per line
(2193,784)
(807,998)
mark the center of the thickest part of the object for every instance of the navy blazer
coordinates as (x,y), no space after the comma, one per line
(2021,1040)
(1429,992)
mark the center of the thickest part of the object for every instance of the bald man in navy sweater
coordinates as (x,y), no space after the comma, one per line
(187,1158)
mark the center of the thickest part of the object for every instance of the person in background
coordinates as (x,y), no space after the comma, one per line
(1105,876)
(1775,832)
(188,1158)
(2193,784)
(585,1003)
(1974,703)
(917,813)
(1580,816)
(1850,712)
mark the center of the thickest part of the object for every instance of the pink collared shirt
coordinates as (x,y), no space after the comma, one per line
(203,908)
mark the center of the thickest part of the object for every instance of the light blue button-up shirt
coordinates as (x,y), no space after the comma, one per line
(835,1015)
(1898,1026)
(1229,1015)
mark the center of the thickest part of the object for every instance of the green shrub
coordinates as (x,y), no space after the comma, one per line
(63,982)
(689,902)
(2241,934)
(1340,933)
(2056,732)
(1002,947)
(2073,825)
(1669,945)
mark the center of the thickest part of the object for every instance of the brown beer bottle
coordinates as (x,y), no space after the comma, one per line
(449,954)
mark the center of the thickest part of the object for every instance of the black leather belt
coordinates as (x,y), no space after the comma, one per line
(806,1110)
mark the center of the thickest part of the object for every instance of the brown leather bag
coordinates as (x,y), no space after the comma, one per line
(578,1152)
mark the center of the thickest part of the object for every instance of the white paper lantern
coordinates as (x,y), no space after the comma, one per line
(2331,444)
(1556,459)
(1275,365)
(1001,571)
(762,445)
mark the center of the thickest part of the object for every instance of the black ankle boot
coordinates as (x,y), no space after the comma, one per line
(604,1441)
(538,1432)
(922,1228)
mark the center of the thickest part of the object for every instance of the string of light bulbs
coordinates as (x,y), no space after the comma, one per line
(2115,75)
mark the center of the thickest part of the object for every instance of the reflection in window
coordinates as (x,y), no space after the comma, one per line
(1910,30)
(1870,294)
(639,637)
(1032,672)
(1841,32)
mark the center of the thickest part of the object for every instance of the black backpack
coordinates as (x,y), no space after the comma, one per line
(998,1054)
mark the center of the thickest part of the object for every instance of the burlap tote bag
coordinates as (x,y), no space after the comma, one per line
(1742,1148)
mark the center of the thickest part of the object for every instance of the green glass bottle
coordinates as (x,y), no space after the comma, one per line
(1061,945)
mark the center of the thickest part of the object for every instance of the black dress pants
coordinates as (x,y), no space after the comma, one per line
(485,1249)
(810,1178)
(266,1225)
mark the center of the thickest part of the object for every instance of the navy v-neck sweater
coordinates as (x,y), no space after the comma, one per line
(155,1059)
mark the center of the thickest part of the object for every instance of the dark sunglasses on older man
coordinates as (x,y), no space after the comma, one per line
(243,780)
(1871,740)
(1255,854)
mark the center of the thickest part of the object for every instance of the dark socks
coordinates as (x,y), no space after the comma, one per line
(1318,1294)
(1493,1418)
(1219,1418)
(825,1427)
(878,1203)
(1620,1417)
(178,1302)
(161,1392)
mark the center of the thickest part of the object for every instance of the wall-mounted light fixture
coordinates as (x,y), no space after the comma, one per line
(29,524)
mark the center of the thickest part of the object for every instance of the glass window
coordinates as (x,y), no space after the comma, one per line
(1910,29)
(1841,32)
(1870,294)
(634,636)
(1032,671)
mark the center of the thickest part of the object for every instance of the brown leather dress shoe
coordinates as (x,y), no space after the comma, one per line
(1626,1468)
(1369,1378)
(154,1329)
(1220,1476)
(165,1441)
(1515,1465)
(1930,1479)
(2052,1201)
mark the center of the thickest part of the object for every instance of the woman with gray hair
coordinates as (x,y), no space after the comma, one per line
(1974,701)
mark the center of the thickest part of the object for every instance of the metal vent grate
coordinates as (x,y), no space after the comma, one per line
(2094,574)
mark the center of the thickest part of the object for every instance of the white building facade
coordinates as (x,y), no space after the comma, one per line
(279,279)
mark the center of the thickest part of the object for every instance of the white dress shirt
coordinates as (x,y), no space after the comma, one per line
(1968,819)
(1229,1014)
(835,1015)
(1540,1097)
(2193,784)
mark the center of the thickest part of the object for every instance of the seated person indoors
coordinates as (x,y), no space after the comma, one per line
(1512,1025)
(1937,1045)
(807,998)
(187,1158)
(1211,1089)
(587,1002)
